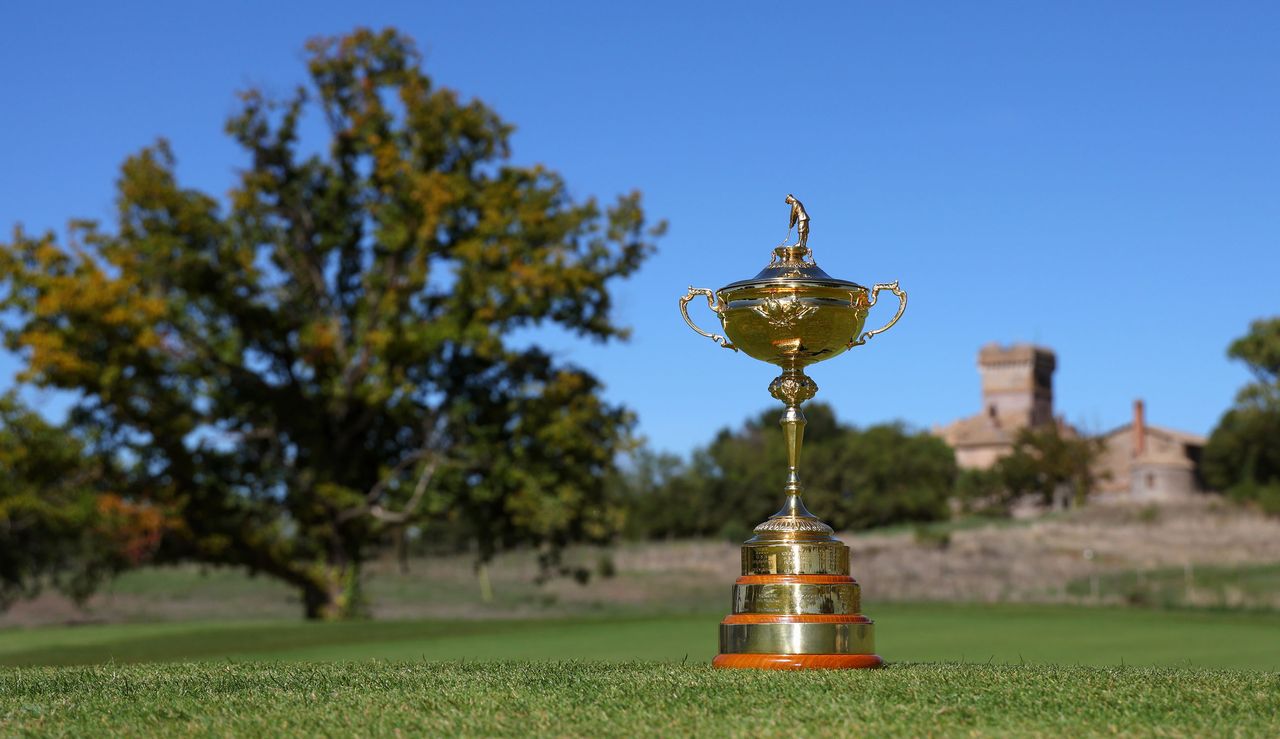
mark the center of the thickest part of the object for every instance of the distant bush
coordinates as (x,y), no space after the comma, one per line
(1264,496)
(981,492)
(854,479)
(1242,457)
(932,537)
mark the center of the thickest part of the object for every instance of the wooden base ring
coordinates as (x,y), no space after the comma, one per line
(798,661)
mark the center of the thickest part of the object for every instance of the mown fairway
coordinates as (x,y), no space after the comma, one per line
(906,633)
(991,673)
(647,699)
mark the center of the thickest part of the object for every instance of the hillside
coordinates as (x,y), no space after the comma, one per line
(1207,554)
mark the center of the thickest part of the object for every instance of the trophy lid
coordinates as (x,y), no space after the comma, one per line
(793,265)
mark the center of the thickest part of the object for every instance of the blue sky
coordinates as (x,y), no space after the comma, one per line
(1099,177)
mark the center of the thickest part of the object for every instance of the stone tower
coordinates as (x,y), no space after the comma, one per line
(1017,392)
(1017,384)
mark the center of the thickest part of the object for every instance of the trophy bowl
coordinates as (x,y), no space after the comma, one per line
(795,605)
(792,314)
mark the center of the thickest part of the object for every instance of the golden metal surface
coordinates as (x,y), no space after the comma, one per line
(902,306)
(800,219)
(792,325)
(711,303)
(798,638)
(794,558)
(797,598)
(783,314)
(793,314)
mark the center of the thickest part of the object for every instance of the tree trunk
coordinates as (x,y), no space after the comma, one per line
(486,587)
(402,549)
(333,595)
(319,603)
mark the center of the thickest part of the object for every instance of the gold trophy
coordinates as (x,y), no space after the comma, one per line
(795,606)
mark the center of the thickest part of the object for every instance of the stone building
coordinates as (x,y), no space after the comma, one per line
(1139,463)
(1017,393)
(1148,464)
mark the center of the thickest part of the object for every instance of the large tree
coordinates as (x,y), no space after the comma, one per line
(327,356)
(1243,454)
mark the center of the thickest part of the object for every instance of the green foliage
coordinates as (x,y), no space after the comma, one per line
(1242,457)
(53,527)
(326,359)
(643,699)
(1043,463)
(652,488)
(983,492)
(1260,351)
(1048,461)
(853,478)
(887,475)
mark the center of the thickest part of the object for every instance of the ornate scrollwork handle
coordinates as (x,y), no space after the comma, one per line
(875,292)
(711,303)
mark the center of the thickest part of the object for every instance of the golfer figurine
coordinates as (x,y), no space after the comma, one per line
(799,219)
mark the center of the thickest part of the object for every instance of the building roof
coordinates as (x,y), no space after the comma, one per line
(1184,437)
(977,430)
(995,352)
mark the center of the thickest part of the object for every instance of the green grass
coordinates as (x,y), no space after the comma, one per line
(1000,634)
(989,671)
(1203,585)
(376,698)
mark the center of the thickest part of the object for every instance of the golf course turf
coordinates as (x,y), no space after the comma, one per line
(631,699)
(999,634)
(953,670)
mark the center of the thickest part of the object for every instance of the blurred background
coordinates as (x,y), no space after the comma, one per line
(337,331)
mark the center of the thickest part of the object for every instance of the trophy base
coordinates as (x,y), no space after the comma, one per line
(796,607)
(797,661)
(834,641)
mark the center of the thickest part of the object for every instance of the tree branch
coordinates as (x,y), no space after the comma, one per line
(373,508)
(385,516)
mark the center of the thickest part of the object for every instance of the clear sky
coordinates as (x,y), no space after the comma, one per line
(1099,177)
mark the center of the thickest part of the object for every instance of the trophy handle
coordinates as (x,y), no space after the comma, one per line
(875,292)
(711,303)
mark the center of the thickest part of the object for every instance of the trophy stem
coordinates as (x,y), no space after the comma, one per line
(793,387)
(793,423)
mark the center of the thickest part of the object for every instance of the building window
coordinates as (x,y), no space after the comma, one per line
(1151,480)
